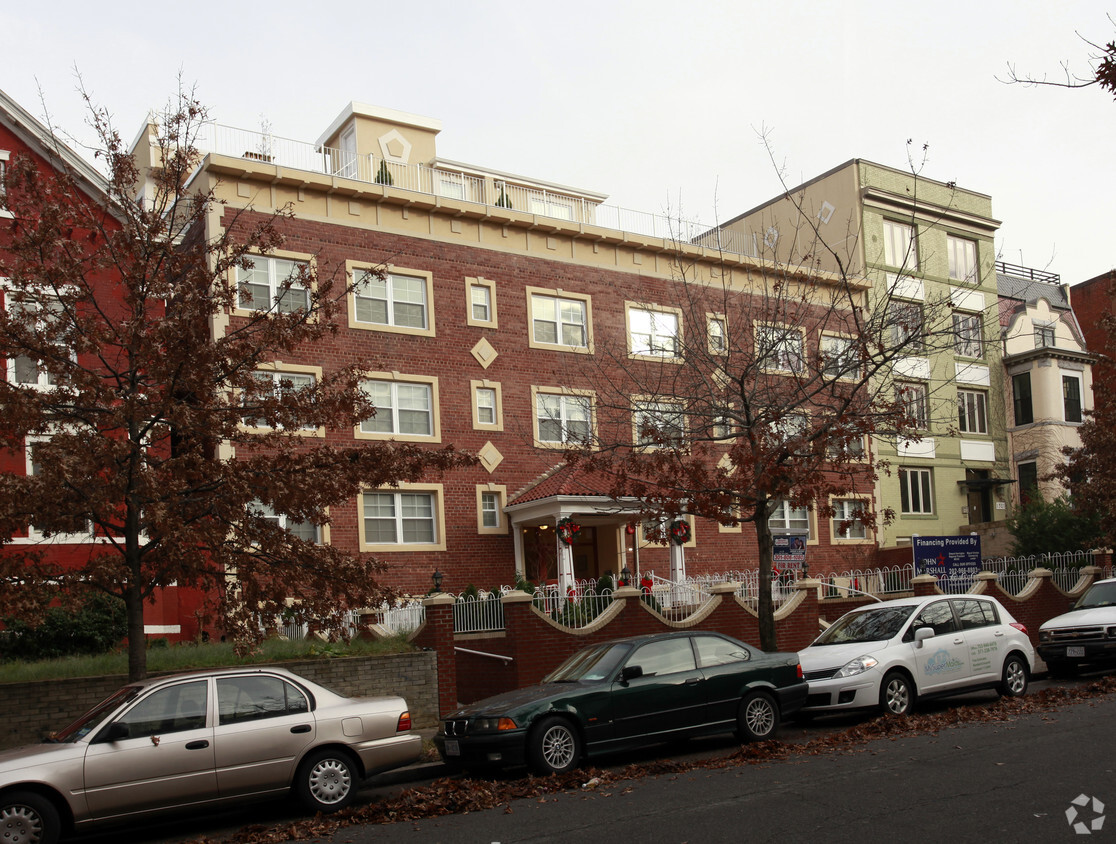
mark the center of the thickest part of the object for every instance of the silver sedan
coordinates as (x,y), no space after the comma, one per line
(198,740)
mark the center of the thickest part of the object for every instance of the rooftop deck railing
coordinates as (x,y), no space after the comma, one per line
(490,190)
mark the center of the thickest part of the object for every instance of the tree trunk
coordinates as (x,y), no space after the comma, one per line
(137,642)
(766,605)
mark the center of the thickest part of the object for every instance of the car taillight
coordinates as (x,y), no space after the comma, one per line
(798,668)
(1019,627)
(404,723)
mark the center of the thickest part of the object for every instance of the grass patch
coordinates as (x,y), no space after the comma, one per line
(187,657)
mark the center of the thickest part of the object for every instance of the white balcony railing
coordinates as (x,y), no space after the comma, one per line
(488,190)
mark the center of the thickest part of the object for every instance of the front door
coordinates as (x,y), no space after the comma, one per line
(980,497)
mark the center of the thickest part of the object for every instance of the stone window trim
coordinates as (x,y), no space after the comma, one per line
(652,308)
(489,285)
(642,404)
(437,491)
(560,294)
(837,501)
(501,492)
(295,369)
(832,366)
(307,258)
(782,526)
(355,269)
(536,391)
(786,359)
(435,435)
(716,333)
(495,386)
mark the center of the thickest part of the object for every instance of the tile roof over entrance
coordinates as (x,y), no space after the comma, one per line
(563,480)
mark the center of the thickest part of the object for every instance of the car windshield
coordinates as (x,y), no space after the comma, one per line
(83,725)
(874,625)
(1099,595)
(591,664)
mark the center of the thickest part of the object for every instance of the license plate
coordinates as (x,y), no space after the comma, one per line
(1075,650)
(453,747)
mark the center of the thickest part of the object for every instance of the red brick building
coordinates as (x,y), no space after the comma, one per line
(508,306)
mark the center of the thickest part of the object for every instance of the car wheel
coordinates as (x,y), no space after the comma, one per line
(28,818)
(758,717)
(897,694)
(327,781)
(1014,683)
(555,746)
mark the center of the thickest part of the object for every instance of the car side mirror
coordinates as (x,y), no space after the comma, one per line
(630,672)
(115,731)
(922,634)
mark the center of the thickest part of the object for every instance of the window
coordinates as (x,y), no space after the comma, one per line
(790,426)
(962,259)
(975,614)
(488,410)
(967,339)
(658,423)
(1021,393)
(78,529)
(900,246)
(723,427)
(839,357)
(4,154)
(486,405)
(306,531)
(1071,397)
(174,709)
(788,519)
(404,409)
(45,316)
(653,333)
(490,509)
(713,650)
(281,385)
(972,408)
(1044,336)
(915,402)
(915,492)
(563,418)
(274,284)
(254,697)
(1028,480)
(905,320)
(560,321)
(938,616)
(779,347)
(668,656)
(718,335)
(481,302)
(839,448)
(401,518)
(848,511)
(392,299)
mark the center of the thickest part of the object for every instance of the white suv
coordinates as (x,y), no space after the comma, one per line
(1085,634)
(891,653)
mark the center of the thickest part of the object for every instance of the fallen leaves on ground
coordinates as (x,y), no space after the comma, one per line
(452,795)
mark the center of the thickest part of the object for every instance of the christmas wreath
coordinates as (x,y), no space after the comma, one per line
(568,530)
(680,531)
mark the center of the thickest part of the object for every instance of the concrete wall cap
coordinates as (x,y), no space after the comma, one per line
(516,596)
(438,599)
(924,578)
(726,588)
(1041,572)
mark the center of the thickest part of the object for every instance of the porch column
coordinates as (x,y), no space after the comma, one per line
(677,562)
(565,565)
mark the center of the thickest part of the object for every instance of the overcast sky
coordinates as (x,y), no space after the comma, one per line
(657,104)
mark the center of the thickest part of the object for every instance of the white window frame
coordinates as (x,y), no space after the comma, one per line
(395,380)
(904,331)
(915,396)
(5,155)
(660,332)
(34,535)
(409,494)
(900,245)
(394,276)
(916,485)
(962,255)
(968,335)
(43,379)
(567,401)
(716,329)
(786,519)
(278,373)
(274,283)
(835,357)
(1046,335)
(780,348)
(643,407)
(556,299)
(286,523)
(844,508)
(1080,397)
(972,416)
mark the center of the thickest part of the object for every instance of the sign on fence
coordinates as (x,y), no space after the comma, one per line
(947,556)
(790,552)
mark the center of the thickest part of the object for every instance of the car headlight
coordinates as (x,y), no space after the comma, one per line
(493,724)
(857,666)
(1045,636)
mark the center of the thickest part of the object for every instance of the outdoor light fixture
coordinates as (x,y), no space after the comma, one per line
(544,527)
(625,575)
(437,578)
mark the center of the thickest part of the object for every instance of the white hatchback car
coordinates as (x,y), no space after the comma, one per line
(892,653)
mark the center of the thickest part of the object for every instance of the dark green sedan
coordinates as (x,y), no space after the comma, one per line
(624,693)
